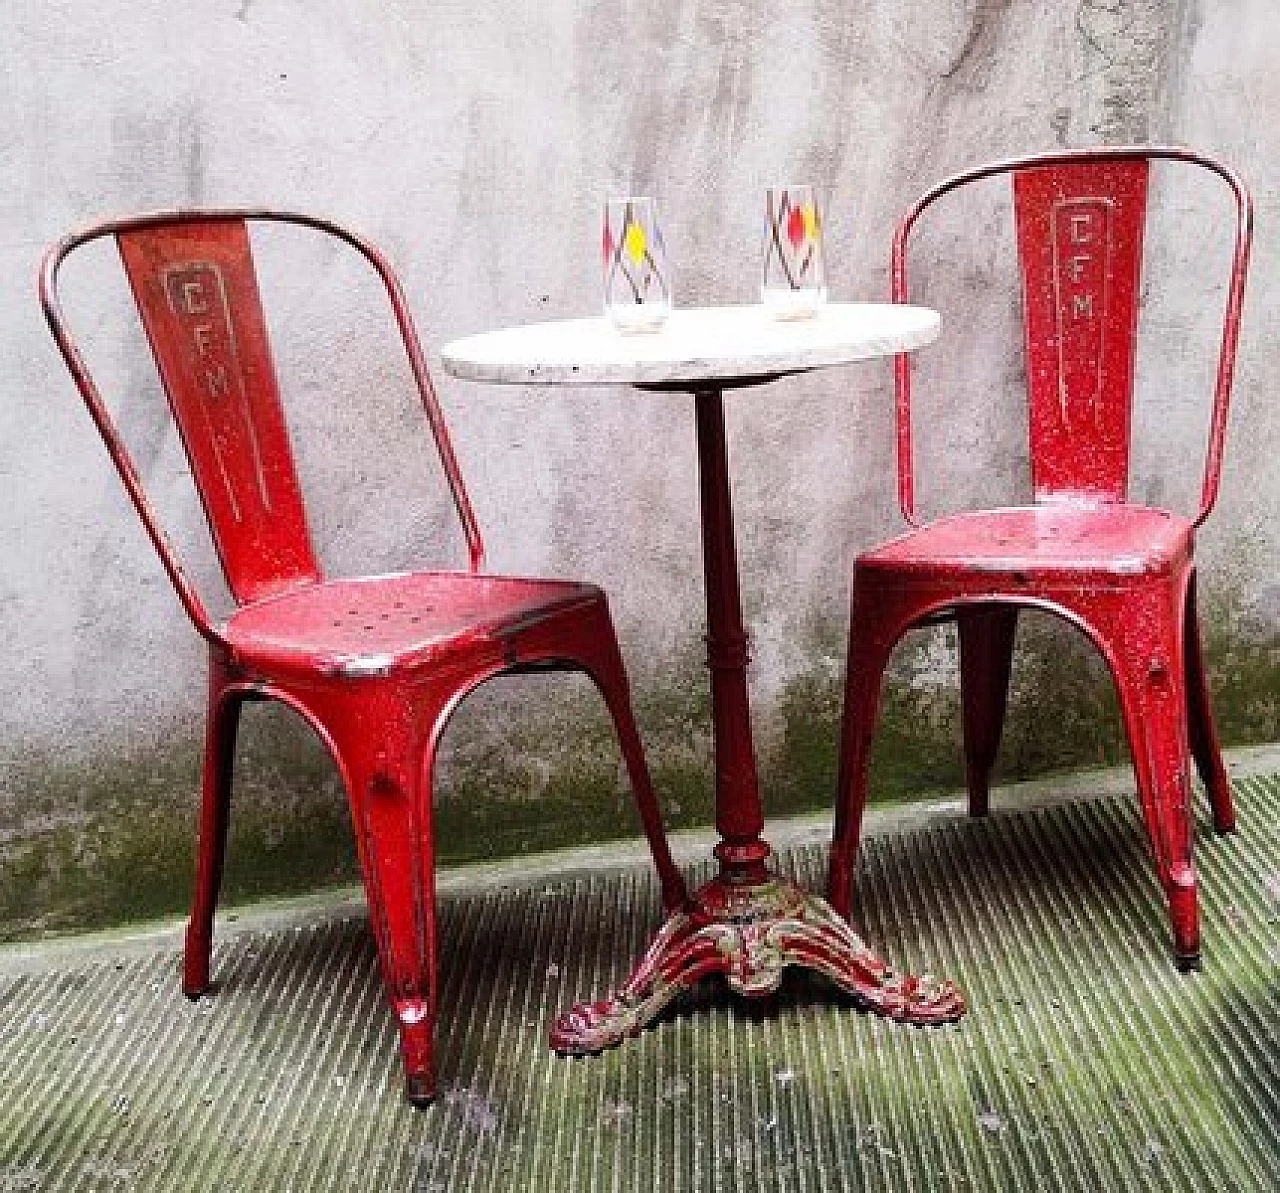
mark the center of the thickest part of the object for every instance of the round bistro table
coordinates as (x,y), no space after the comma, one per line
(748,923)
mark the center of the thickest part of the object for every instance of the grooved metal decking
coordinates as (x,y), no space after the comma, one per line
(1086,1061)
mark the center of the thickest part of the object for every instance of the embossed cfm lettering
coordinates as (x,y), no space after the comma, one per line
(192,292)
(1081,234)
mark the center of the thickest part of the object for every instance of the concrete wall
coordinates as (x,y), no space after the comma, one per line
(476,142)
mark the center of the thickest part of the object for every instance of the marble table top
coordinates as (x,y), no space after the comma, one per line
(713,344)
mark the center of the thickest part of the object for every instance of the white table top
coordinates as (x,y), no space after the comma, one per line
(697,344)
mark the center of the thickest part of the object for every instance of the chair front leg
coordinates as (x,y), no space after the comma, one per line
(384,738)
(1142,636)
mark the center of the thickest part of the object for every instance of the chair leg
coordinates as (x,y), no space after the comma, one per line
(1201,729)
(1148,662)
(986,653)
(870,644)
(386,750)
(221,722)
(587,640)
(606,669)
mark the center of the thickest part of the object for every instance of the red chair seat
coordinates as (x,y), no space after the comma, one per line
(1060,538)
(376,624)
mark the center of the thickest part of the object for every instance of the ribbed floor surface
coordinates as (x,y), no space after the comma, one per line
(1086,1061)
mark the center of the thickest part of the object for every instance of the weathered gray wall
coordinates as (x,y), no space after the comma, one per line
(475,142)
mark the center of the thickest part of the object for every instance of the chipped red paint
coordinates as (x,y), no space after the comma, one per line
(1080,243)
(375,665)
(196,291)
(1124,574)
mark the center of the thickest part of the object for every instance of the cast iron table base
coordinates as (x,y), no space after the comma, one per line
(749,934)
(746,923)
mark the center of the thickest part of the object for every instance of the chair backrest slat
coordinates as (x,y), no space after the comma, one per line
(1080,217)
(1080,229)
(197,293)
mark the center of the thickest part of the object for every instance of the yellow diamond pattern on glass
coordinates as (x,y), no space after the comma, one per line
(809,213)
(634,242)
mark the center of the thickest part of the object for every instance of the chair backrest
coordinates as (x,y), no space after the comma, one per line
(192,275)
(1080,218)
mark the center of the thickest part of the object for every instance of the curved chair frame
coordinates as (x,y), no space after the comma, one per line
(1121,573)
(375,665)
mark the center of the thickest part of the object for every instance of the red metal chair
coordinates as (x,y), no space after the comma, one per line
(375,665)
(1121,572)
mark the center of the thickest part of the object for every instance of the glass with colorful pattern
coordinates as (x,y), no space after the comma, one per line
(794,282)
(637,277)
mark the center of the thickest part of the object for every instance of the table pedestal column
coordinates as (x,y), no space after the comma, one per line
(746,924)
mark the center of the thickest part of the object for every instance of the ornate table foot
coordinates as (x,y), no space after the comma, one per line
(750,934)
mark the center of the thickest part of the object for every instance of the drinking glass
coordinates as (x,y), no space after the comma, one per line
(637,278)
(794,282)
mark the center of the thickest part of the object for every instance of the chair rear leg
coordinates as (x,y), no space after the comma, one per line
(386,750)
(221,722)
(1148,663)
(870,644)
(986,654)
(1200,726)
(608,672)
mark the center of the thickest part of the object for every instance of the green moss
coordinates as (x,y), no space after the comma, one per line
(1242,658)
(916,745)
(552,775)
(110,839)
(1062,712)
